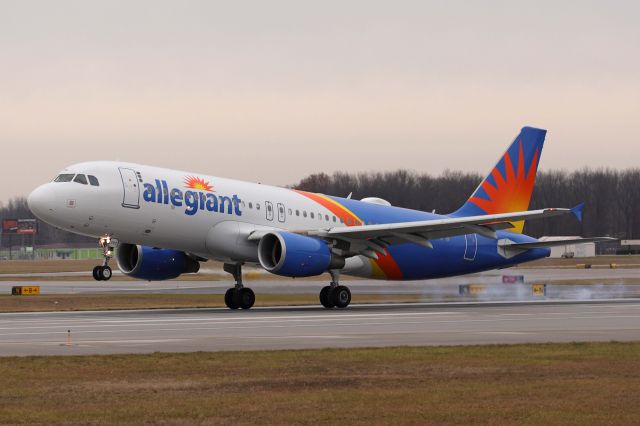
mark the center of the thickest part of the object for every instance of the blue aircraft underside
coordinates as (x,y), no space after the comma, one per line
(449,256)
(459,255)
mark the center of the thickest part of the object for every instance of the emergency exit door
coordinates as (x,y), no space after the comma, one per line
(281,213)
(269,209)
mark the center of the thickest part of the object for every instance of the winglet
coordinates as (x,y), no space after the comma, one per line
(577,211)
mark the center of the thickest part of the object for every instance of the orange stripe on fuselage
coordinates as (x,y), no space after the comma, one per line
(385,262)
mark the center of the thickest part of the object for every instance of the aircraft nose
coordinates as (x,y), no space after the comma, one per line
(41,201)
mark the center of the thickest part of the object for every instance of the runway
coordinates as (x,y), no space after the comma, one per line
(577,284)
(425,290)
(109,332)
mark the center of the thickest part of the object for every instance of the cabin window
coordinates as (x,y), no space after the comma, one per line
(93,180)
(257,206)
(250,205)
(297,212)
(304,213)
(81,179)
(334,218)
(64,178)
(326,217)
(311,214)
(290,212)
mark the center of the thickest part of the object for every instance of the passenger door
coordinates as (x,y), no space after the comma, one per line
(470,247)
(131,197)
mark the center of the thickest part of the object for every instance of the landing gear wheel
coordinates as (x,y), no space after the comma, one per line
(325,297)
(104,273)
(341,296)
(238,296)
(247,298)
(232,299)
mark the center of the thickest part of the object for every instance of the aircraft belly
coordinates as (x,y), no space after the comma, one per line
(228,239)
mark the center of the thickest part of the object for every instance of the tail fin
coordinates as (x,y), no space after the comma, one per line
(509,186)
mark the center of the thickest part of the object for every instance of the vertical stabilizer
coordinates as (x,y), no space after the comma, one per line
(509,186)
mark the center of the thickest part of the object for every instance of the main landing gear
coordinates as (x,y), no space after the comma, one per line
(335,295)
(238,296)
(103,272)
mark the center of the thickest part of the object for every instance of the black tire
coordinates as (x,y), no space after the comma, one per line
(247,298)
(325,298)
(96,273)
(105,273)
(341,296)
(231,299)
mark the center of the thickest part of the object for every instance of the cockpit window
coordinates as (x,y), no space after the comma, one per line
(93,180)
(81,179)
(64,178)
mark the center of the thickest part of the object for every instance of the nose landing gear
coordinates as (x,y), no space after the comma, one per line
(103,272)
(238,296)
(335,295)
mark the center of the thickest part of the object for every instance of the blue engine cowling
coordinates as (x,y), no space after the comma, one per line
(153,264)
(293,255)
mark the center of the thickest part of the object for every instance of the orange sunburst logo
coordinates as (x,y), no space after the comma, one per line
(197,183)
(511,192)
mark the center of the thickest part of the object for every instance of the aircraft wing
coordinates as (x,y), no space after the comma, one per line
(376,237)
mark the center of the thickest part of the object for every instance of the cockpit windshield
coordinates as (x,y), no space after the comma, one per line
(79,178)
(64,178)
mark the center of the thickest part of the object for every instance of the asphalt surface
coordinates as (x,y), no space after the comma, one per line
(430,290)
(108,332)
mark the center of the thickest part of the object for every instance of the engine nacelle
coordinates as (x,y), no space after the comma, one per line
(293,255)
(153,264)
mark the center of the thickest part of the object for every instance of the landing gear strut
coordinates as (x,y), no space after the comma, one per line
(103,272)
(238,296)
(335,295)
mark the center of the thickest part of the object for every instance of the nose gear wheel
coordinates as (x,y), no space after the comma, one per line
(104,272)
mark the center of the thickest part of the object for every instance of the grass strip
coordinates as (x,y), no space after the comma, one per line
(550,384)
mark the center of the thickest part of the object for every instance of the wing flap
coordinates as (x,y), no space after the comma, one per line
(556,243)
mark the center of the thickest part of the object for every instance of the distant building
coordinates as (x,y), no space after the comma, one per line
(571,250)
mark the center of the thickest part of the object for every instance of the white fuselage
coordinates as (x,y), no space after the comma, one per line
(156,207)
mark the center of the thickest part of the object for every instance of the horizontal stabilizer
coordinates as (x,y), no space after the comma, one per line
(555,243)
(577,211)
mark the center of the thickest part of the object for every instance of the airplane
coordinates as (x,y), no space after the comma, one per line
(164,223)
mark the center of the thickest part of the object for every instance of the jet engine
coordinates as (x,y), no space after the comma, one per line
(154,264)
(293,255)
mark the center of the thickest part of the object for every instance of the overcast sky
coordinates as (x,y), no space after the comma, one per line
(271,91)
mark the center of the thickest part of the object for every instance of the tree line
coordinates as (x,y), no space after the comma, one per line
(612,199)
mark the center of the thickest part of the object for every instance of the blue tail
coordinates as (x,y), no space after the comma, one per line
(509,185)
